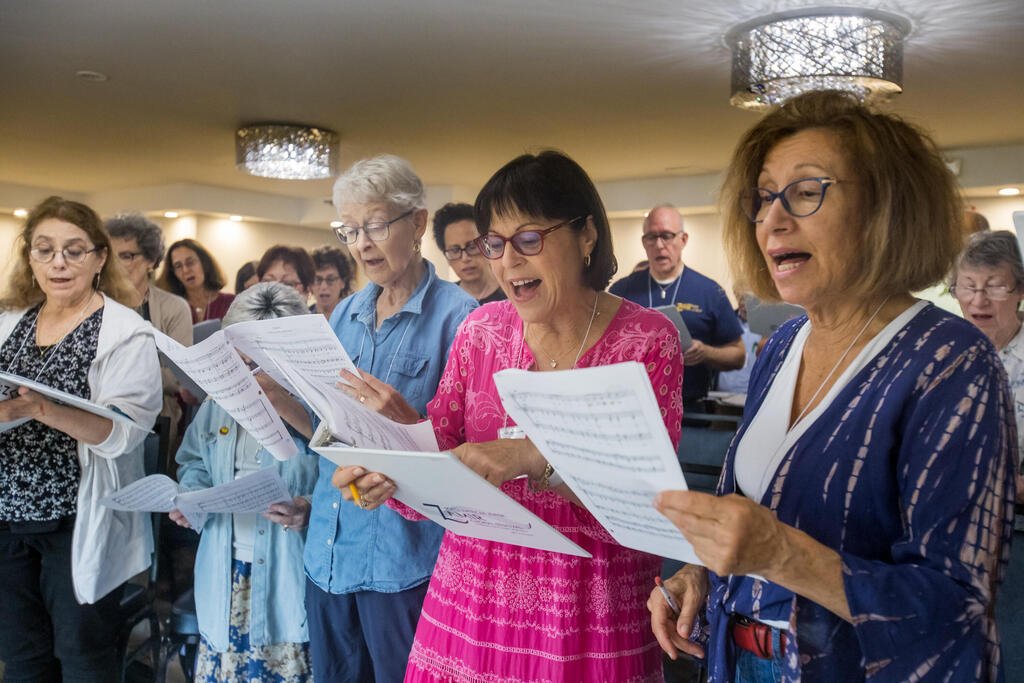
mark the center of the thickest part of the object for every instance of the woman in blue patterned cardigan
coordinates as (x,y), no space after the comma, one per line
(864,513)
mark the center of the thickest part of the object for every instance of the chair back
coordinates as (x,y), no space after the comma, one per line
(702,452)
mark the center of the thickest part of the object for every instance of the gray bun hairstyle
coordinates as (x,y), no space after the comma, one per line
(264,301)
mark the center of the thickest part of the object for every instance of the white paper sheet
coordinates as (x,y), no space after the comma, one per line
(602,430)
(8,389)
(157,493)
(441,488)
(306,342)
(351,422)
(216,367)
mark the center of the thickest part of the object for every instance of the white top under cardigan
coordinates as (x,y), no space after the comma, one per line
(108,546)
(769,436)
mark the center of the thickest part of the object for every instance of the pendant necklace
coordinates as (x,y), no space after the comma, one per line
(593,314)
(650,297)
(53,349)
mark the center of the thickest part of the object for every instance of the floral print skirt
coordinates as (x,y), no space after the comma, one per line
(242,662)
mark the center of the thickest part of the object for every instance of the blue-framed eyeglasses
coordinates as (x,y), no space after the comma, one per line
(800,198)
(377,231)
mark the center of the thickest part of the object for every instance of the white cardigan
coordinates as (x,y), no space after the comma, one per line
(110,546)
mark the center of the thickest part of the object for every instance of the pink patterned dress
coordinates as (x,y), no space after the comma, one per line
(497,612)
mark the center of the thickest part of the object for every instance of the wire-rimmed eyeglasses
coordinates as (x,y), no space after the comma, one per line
(377,231)
(526,242)
(800,198)
(991,292)
(71,254)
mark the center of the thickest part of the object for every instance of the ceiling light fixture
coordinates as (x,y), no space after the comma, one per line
(833,48)
(21,213)
(286,151)
(237,219)
(170,214)
(1004,191)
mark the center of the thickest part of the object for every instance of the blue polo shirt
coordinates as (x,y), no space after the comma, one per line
(349,549)
(704,307)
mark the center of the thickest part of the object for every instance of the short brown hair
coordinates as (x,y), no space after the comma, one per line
(213,276)
(910,214)
(296,257)
(23,290)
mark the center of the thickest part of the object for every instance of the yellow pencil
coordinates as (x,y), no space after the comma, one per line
(355,493)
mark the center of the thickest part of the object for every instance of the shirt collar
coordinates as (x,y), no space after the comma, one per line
(364,307)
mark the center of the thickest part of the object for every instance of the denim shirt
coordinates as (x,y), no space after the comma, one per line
(349,549)
(206,458)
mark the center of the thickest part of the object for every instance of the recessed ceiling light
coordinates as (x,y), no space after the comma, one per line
(170,214)
(237,219)
(1009,191)
(21,213)
(91,76)
(335,224)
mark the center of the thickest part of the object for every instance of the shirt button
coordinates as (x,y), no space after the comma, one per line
(261,532)
(259,561)
(335,506)
(329,541)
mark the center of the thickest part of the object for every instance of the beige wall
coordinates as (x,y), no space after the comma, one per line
(9,227)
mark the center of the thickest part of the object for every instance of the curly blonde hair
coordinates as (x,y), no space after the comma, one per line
(22,289)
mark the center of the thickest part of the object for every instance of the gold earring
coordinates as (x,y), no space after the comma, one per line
(416,247)
(586,261)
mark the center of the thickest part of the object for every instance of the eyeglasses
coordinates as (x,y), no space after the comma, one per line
(182,265)
(651,238)
(800,198)
(991,292)
(527,242)
(129,256)
(455,252)
(377,231)
(71,254)
(329,280)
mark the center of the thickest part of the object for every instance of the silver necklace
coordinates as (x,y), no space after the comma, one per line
(593,314)
(650,298)
(54,348)
(840,361)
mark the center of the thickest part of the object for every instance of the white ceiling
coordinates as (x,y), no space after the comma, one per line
(631,89)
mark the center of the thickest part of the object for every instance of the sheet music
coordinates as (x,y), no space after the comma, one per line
(216,367)
(601,429)
(8,389)
(157,493)
(441,488)
(354,424)
(306,342)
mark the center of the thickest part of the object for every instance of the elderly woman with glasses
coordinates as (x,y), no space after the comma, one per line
(865,504)
(455,233)
(191,272)
(64,557)
(333,279)
(139,244)
(496,611)
(367,569)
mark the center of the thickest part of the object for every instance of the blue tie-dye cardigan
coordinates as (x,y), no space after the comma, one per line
(908,474)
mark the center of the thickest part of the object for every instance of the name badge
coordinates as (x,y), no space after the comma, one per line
(513,432)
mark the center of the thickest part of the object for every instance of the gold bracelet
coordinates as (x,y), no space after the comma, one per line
(543,484)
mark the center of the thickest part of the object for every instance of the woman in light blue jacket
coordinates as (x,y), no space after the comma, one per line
(249,581)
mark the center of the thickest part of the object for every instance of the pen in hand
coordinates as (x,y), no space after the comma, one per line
(671,602)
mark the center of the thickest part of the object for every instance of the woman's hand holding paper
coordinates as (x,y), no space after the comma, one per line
(378,396)
(502,460)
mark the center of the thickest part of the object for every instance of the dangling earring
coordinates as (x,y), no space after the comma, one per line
(416,247)
(586,261)
(33,276)
(96,282)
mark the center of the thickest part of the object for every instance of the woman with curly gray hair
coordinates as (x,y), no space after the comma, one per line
(138,244)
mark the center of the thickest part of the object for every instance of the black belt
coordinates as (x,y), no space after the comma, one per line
(31,526)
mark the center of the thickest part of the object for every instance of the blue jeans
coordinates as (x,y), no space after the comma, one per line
(752,669)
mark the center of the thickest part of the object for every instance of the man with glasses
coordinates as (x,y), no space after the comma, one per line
(454,232)
(702,303)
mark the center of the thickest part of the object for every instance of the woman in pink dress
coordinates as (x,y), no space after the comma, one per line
(497,612)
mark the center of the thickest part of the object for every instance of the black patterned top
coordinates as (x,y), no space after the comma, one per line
(39,469)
